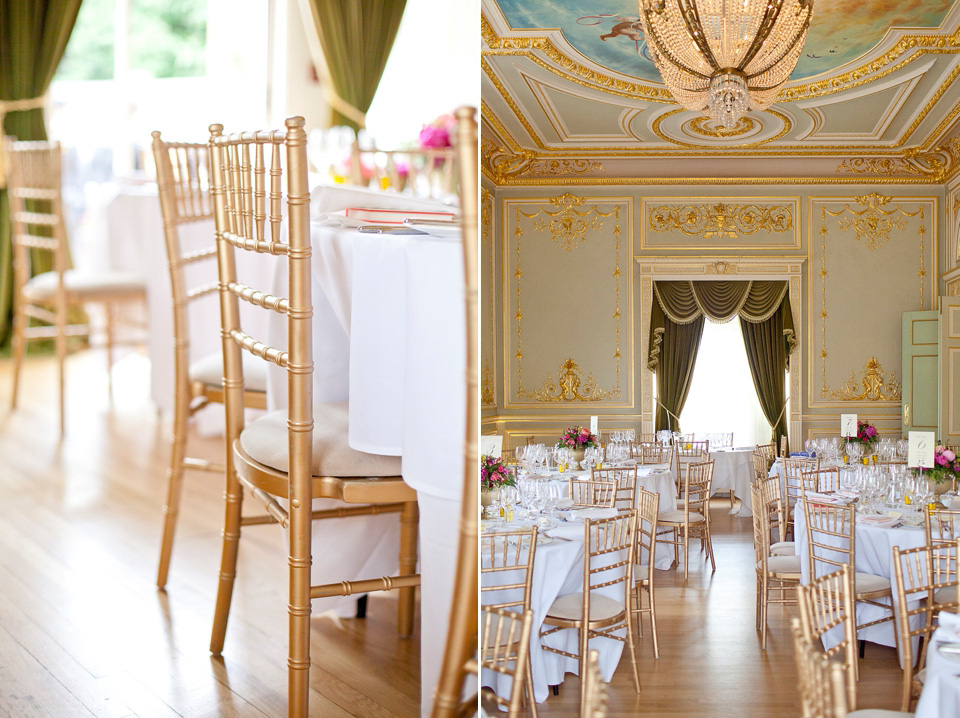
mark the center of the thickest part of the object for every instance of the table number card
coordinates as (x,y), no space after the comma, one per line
(920,452)
(848,425)
(594,424)
(491,445)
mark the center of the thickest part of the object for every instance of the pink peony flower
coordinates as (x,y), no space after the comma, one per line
(949,455)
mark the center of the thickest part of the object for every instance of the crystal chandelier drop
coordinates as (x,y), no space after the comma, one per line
(725,56)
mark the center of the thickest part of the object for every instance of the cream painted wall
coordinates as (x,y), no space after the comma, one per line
(857,262)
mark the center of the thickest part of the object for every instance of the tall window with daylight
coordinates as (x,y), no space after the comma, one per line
(722,396)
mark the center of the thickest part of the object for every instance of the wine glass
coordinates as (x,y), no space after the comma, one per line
(854,451)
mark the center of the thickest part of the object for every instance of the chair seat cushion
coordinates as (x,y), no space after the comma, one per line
(868,583)
(641,573)
(783,564)
(947,594)
(265,441)
(676,517)
(570,607)
(84,285)
(783,548)
(209,370)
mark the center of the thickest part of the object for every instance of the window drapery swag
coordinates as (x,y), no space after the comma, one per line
(676,323)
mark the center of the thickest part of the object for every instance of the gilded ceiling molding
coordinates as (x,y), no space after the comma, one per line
(876,385)
(706,127)
(500,165)
(936,164)
(706,181)
(508,98)
(871,71)
(700,125)
(548,167)
(490,117)
(720,219)
(570,385)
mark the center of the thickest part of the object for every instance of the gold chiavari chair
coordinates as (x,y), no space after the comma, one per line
(592,494)
(39,240)
(626,481)
(505,649)
(609,546)
(768,452)
(692,520)
(793,469)
(774,573)
(648,510)
(831,543)
(941,525)
(301,452)
(593,701)
(652,452)
(690,452)
(777,518)
(761,469)
(826,604)
(922,574)
(820,480)
(459,660)
(784,451)
(718,441)
(507,559)
(183,180)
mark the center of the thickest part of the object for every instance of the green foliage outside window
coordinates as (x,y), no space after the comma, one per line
(167,39)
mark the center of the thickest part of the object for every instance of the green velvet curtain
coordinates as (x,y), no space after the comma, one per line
(33,37)
(676,324)
(677,346)
(356,37)
(768,346)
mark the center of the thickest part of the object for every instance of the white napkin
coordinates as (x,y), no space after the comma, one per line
(594,513)
(572,531)
(329,199)
(950,621)
(565,503)
(883,521)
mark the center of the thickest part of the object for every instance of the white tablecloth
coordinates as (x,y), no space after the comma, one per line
(557,570)
(874,555)
(941,687)
(389,334)
(733,471)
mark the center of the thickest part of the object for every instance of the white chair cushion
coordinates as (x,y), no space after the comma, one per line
(676,517)
(265,440)
(783,548)
(209,370)
(570,607)
(868,583)
(945,595)
(43,287)
(876,713)
(783,564)
(641,573)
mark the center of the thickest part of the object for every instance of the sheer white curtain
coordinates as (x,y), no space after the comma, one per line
(722,396)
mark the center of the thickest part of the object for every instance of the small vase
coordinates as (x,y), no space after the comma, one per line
(941,487)
(487,497)
(577,455)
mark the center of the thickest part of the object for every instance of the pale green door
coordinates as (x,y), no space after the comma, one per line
(949,371)
(921,371)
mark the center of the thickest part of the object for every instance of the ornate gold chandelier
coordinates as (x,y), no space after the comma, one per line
(725,56)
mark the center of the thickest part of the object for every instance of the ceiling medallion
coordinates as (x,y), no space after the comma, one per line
(705,127)
(725,58)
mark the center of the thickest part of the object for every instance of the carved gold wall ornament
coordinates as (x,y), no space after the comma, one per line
(876,385)
(548,167)
(489,342)
(721,219)
(937,163)
(568,226)
(500,164)
(570,385)
(487,395)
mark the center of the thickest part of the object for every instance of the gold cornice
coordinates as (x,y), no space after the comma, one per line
(490,117)
(873,70)
(485,66)
(937,164)
(499,164)
(710,181)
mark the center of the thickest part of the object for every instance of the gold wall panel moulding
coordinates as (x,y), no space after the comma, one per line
(720,219)
(488,397)
(876,385)
(568,226)
(689,267)
(936,164)
(570,385)
(571,225)
(488,343)
(951,281)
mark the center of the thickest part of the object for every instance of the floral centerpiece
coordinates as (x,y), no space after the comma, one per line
(577,437)
(867,436)
(494,474)
(945,467)
(436,135)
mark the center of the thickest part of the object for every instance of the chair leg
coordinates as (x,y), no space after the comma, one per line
(633,649)
(174,481)
(686,550)
(19,348)
(531,696)
(709,540)
(763,613)
(409,520)
(61,345)
(228,560)
(108,307)
(653,617)
(298,659)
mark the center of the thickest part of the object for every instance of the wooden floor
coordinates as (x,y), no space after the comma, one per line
(710,661)
(84,630)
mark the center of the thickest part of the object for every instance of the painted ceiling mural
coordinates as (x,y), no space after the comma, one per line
(610,33)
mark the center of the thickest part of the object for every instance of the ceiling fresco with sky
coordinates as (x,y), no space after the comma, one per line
(610,33)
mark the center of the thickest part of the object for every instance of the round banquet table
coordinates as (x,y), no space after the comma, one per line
(733,471)
(941,686)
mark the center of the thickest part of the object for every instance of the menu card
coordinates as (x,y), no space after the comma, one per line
(594,424)
(848,425)
(920,452)
(491,445)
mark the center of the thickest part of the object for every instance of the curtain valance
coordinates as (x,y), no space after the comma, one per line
(684,302)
